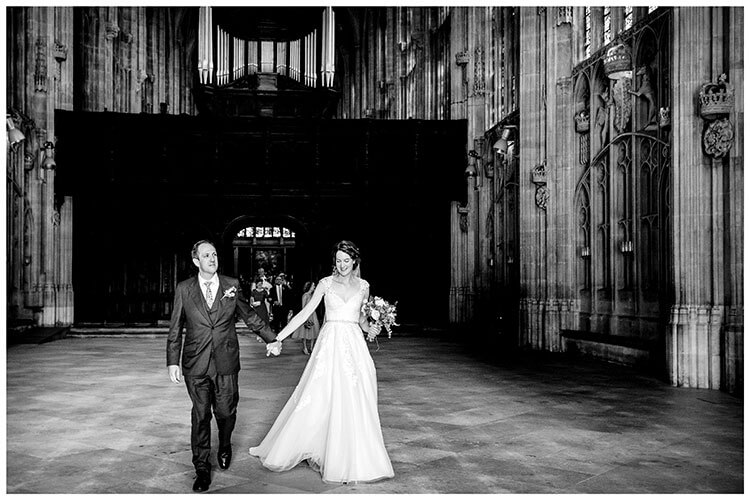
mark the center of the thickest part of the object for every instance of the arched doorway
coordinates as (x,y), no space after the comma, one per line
(274,244)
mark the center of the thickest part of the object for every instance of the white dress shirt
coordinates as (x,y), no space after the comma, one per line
(214,286)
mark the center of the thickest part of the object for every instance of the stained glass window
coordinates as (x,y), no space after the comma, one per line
(607,25)
(628,17)
(587,24)
(266,232)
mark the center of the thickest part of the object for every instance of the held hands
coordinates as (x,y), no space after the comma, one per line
(374,331)
(273,348)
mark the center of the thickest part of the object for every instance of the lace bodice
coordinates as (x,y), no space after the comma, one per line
(338,309)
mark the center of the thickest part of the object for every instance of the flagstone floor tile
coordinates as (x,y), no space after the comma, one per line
(99,415)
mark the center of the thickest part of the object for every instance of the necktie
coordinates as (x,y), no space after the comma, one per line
(209,295)
(278,292)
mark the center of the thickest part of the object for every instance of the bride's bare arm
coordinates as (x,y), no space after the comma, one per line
(305,313)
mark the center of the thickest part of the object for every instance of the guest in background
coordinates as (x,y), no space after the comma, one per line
(279,303)
(260,297)
(260,276)
(259,301)
(311,327)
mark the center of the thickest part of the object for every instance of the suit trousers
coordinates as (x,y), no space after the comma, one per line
(207,392)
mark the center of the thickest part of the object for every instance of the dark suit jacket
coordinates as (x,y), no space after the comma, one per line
(204,336)
(274,297)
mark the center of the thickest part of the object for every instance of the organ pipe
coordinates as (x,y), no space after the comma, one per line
(205,46)
(266,57)
(328,57)
(252,60)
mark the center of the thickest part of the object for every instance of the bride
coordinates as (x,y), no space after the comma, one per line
(331,419)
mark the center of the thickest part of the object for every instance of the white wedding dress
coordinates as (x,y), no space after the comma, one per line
(331,419)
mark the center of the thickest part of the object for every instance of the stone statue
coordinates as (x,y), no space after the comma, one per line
(646,91)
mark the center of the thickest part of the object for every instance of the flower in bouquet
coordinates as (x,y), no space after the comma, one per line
(378,311)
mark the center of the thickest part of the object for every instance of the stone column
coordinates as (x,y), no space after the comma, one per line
(477,104)
(459,76)
(693,344)
(36,86)
(561,179)
(156,63)
(461,296)
(125,61)
(532,234)
(390,56)
(65,255)
(42,114)
(99,28)
(62,58)
(734,337)
(62,89)
(463,219)
(48,275)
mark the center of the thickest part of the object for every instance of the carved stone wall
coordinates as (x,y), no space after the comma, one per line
(39,81)
(121,59)
(135,59)
(705,333)
(599,208)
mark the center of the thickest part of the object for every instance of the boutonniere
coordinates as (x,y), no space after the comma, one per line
(230,292)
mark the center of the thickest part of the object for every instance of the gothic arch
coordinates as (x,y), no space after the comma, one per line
(582,93)
(298,264)
(242,221)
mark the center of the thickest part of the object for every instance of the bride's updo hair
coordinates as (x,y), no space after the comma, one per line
(348,248)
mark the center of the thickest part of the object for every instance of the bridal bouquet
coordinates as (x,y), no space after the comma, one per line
(377,310)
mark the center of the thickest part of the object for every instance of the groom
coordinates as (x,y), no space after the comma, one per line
(206,305)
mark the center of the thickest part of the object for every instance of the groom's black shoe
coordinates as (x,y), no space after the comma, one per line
(203,480)
(224,458)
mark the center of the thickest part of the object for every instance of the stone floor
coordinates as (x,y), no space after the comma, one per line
(98,415)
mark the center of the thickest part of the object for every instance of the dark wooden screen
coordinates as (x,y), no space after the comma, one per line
(145,187)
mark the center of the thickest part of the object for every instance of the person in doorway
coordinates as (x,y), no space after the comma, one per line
(279,298)
(259,297)
(310,328)
(331,419)
(205,305)
(259,301)
(262,278)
